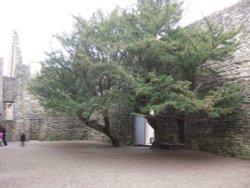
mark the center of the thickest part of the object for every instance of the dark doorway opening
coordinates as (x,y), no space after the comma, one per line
(181,130)
(35,129)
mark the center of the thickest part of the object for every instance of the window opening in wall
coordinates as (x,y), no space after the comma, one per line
(8,110)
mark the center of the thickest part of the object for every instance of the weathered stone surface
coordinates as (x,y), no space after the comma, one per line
(9,92)
(121,124)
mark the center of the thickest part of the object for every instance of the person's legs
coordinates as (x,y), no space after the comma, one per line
(4,141)
(22,144)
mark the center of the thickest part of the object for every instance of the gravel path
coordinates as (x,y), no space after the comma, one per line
(79,164)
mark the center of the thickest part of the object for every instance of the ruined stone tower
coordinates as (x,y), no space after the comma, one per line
(15,56)
(14,92)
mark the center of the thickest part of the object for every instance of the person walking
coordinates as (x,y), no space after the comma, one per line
(3,130)
(22,139)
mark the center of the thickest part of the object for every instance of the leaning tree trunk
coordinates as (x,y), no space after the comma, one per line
(100,128)
(115,141)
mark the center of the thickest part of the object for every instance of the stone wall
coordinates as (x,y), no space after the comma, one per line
(65,128)
(223,136)
(41,124)
(54,127)
(121,124)
(229,135)
(9,92)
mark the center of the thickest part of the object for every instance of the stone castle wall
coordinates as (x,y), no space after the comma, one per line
(230,135)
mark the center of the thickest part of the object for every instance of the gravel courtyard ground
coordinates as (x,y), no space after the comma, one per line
(81,164)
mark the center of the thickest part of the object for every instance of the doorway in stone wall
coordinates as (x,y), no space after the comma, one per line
(35,125)
(181,130)
(143,133)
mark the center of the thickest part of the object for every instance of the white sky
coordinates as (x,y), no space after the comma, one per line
(37,20)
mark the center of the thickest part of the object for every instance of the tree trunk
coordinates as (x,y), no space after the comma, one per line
(153,122)
(157,140)
(115,141)
(103,129)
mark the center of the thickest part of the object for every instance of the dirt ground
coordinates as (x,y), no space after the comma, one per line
(85,164)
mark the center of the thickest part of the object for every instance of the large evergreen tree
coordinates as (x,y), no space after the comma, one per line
(136,57)
(83,78)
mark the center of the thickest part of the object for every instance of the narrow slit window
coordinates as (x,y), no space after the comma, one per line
(8,111)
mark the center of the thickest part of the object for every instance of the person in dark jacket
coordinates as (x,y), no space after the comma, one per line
(3,130)
(22,139)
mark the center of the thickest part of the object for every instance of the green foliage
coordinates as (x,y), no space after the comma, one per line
(82,87)
(223,101)
(138,56)
(163,92)
(196,46)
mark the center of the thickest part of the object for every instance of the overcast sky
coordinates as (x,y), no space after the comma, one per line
(37,20)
